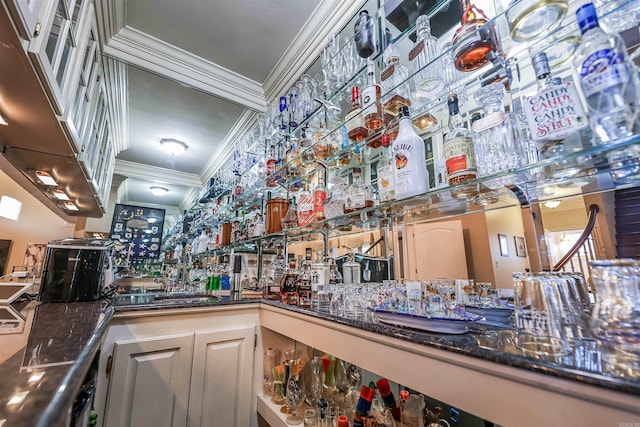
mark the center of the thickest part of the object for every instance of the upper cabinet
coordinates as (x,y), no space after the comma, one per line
(27,13)
(58,46)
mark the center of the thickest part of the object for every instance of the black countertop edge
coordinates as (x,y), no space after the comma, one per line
(186,304)
(66,392)
(466,345)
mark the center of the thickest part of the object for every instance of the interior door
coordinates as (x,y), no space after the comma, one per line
(150,382)
(221,384)
(433,250)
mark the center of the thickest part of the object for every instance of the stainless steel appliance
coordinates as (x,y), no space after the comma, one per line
(76,270)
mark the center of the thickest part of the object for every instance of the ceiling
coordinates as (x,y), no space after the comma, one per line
(200,71)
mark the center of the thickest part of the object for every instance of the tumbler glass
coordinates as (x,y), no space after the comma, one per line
(616,315)
(539,313)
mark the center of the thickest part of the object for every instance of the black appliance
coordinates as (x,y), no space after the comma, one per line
(74,270)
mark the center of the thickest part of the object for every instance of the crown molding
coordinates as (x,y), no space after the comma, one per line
(169,210)
(190,198)
(122,193)
(117,92)
(154,173)
(142,50)
(328,17)
(244,123)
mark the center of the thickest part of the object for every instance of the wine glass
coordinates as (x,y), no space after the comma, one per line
(446,288)
(294,398)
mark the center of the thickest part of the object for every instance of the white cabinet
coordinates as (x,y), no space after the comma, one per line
(177,367)
(63,27)
(26,13)
(221,375)
(150,382)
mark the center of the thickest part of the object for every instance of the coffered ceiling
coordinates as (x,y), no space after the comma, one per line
(199,71)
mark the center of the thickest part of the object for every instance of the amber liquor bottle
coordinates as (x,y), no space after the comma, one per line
(371,108)
(354,120)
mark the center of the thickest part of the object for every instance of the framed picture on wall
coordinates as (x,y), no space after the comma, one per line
(34,257)
(521,248)
(504,244)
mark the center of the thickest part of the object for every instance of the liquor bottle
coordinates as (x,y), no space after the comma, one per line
(354,120)
(364,35)
(321,143)
(277,268)
(385,172)
(306,214)
(458,150)
(303,284)
(410,174)
(271,166)
(280,159)
(427,78)
(290,219)
(307,154)
(292,159)
(359,195)
(392,80)
(555,114)
(288,281)
(495,136)
(320,291)
(334,205)
(607,77)
(474,40)
(319,197)
(371,109)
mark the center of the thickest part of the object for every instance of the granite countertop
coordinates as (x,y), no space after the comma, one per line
(45,353)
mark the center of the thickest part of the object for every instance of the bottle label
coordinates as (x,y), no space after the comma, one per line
(459,155)
(603,69)
(385,182)
(355,201)
(354,120)
(305,212)
(417,50)
(319,196)
(555,112)
(490,121)
(271,166)
(369,97)
(388,72)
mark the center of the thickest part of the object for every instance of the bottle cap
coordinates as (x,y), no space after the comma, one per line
(367,393)
(404,394)
(383,386)
(475,117)
(386,141)
(355,93)
(356,170)
(586,17)
(423,23)
(541,64)
(404,111)
(452,102)
(343,421)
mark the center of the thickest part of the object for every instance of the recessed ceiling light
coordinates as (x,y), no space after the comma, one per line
(46,178)
(70,206)
(10,208)
(159,191)
(60,195)
(173,146)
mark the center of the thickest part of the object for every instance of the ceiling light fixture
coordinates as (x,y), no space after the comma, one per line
(173,146)
(60,194)
(71,206)
(159,191)
(46,178)
(552,204)
(10,208)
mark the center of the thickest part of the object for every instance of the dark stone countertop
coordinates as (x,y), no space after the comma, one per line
(46,351)
(50,348)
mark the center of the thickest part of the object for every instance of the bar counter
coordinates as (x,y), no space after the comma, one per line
(51,357)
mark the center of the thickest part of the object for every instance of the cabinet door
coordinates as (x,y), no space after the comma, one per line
(150,382)
(26,13)
(221,383)
(56,47)
(434,250)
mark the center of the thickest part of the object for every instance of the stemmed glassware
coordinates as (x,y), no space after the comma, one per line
(446,288)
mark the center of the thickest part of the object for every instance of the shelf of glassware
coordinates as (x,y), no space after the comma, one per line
(501,394)
(516,56)
(601,168)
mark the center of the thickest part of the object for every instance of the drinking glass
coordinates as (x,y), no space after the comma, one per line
(309,418)
(616,315)
(484,288)
(446,288)
(354,302)
(294,398)
(538,311)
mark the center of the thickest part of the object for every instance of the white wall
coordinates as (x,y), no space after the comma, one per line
(36,224)
(507,221)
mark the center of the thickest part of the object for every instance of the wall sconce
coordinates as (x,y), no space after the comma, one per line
(552,204)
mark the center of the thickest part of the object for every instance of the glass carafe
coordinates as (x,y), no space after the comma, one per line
(474,40)
(496,144)
(396,92)
(428,79)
